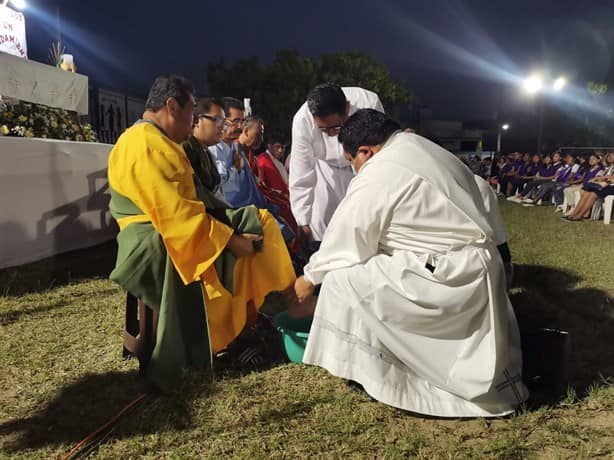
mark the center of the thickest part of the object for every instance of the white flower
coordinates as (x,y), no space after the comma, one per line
(19,130)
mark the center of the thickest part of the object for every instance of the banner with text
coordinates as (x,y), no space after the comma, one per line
(12,32)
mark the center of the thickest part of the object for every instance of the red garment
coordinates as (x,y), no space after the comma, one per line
(270,182)
(269,174)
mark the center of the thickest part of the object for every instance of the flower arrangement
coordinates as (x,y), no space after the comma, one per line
(24,119)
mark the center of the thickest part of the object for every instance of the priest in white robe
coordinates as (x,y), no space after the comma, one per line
(319,173)
(495,220)
(413,303)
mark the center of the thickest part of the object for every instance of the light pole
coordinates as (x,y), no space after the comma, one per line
(503,127)
(533,85)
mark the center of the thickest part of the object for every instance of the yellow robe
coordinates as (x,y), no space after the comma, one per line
(154,172)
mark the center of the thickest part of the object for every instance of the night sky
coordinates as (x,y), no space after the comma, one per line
(464,59)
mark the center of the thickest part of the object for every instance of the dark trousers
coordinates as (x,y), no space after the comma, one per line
(532,186)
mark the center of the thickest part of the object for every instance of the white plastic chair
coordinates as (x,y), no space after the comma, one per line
(596,211)
(608,204)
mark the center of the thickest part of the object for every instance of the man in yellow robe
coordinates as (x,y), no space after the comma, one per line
(169,245)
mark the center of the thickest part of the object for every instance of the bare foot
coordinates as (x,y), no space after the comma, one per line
(290,295)
(302,310)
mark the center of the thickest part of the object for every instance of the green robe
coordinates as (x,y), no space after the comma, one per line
(144,269)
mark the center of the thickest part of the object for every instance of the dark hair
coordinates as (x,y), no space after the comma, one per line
(251,120)
(366,127)
(167,86)
(326,99)
(204,105)
(232,103)
(276,138)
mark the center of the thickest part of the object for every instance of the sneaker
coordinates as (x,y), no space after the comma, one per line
(559,208)
(256,348)
(528,205)
(528,200)
(514,199)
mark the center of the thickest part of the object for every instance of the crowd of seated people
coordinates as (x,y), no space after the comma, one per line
(536,180)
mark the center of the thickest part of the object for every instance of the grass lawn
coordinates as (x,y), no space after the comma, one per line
(62,375)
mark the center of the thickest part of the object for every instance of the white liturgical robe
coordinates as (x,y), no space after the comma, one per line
(413,303)
(491,206)
(319,173)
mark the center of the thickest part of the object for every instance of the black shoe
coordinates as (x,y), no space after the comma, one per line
(256,348)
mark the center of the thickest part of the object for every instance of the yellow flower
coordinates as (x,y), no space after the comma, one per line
(28,133)
(22,118)
(79,138)
(4,130)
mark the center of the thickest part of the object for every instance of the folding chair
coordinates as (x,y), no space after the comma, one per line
(140,331)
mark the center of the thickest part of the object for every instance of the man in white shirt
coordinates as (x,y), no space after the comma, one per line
(319,173)
(413,304)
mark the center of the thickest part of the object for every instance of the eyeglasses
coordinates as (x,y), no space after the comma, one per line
(235,121)
(219,121)
(330,129)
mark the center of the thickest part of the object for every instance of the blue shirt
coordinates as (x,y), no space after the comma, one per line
(229,176)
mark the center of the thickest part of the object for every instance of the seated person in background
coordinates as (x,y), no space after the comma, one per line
(271,170)
(251,137)
(593,169)
(495,170)
(563,176)
(475,163)
(528,171)
(171,250)
(504,165)
(227,161)
(485,169)
(512,171)
(547,172)
(208,130)
(597,188)
(413,303)
(237,179)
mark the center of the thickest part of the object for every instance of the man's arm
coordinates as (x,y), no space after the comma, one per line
(229,175)
(164,190)
(355,230)
(302,172)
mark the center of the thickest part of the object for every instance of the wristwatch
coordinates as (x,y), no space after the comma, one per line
(257,245)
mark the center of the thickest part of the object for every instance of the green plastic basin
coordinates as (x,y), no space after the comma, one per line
(294,334)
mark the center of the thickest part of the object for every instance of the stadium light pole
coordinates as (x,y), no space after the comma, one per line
(534,85)
(503,127)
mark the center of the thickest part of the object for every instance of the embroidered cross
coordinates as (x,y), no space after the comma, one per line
(510,382)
